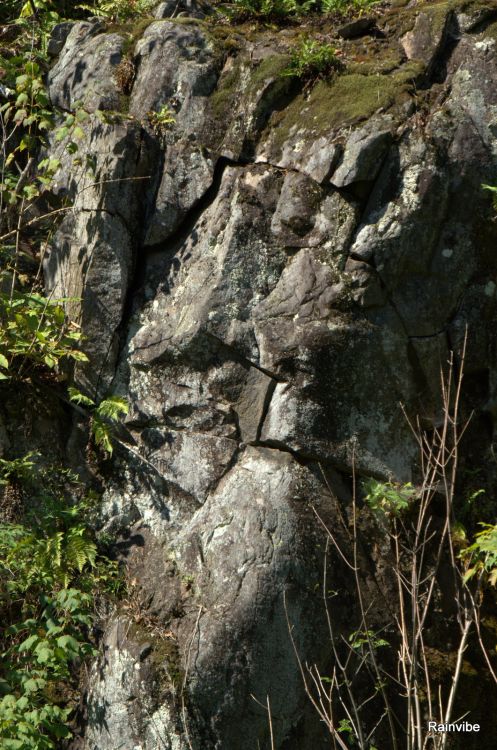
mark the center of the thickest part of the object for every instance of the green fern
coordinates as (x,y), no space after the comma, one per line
(50,570)
(103,417)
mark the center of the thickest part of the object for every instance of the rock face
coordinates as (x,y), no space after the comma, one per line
(266,279)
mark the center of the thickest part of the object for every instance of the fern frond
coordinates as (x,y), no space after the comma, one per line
(101,434)
(79,550)
(112,408)
(79,398)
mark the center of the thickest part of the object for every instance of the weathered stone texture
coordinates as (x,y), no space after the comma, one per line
(295,266)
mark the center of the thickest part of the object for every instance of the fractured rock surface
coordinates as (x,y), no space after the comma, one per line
(288,268)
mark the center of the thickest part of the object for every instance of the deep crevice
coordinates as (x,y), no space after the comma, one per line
(265,408)
(438,69)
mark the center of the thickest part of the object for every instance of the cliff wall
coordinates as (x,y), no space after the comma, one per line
(266,278)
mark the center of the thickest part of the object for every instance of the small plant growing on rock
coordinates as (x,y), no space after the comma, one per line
(161,120)
(313,60)
(387,498)
(346,6)
(118,10)
(34,332)
(276,9)
(103,416)
(492,189)
(481,557)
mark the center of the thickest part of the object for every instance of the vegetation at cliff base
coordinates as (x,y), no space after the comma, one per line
(51,577)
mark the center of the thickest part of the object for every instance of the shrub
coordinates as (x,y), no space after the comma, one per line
(103,417)
(34,332)
(276,9)
(50,572)
(480,558)
(388,499)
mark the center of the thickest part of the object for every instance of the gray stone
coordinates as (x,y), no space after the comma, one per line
(174,8)
(363,155)
(167,9)
(187,174)
(58,37)
(357,27)
(175,64)
(91,256)
(84,73)
(426,38)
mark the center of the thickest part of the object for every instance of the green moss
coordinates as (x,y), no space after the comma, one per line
(491,31)
(438,16)
(185,21)
(124,100)
(270,67)
(165,655)
(222,99)
(229,85)
(348,99)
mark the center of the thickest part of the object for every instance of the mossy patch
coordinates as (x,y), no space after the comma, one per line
(232,86)
(222,99)
(348,99)
(491,31)
(270,67)
(164,654)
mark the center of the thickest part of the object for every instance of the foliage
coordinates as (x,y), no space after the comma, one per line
(161,120)
(344,6)
(388,499)
(312,60)
(30,116)
(34,331)
(361,638)
(50,570)
(17,469)
(280,9)
(118,10)
(103,417)
(266,9)
(480,558)
(31,105)
(492,189)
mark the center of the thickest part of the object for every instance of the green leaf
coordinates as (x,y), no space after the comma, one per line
(113,407)
(32,685)
(28,644)
(101,433)
(68,643)
(78,397)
